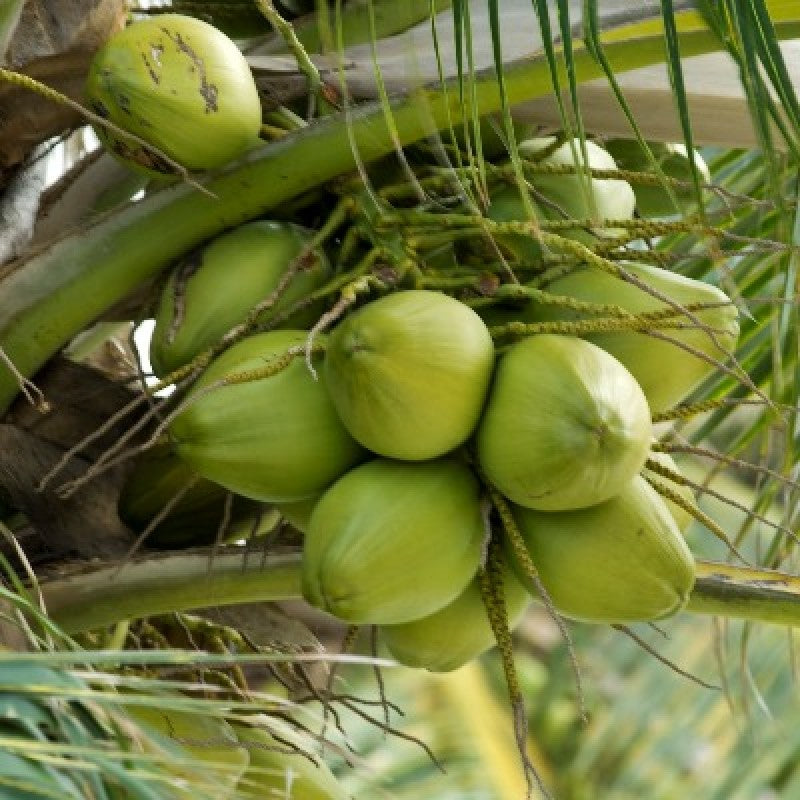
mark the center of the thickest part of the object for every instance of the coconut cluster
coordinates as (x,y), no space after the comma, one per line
(382,439)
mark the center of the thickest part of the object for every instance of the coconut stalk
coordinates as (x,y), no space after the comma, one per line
(186,581)
(162,584)
(761,595)
(52,296)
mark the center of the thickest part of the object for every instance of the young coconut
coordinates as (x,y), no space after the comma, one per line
(558,197)
(273,439)
(506,205)
(408,373)
(457,633)
(566,425)
(665,371)
(608,199)
(620,561)
(673,160)
(214,288)
(180,84)
(391,542)
(276,772)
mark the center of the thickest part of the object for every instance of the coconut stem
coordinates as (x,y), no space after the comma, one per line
(165,583)
(739,463)
(681,480)
(185,581)
(761,595)
(691,508)
(517,544)
(689,410)
(336,285)
(663,659)
(639,322)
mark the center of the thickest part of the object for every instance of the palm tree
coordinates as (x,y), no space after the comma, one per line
(393,140)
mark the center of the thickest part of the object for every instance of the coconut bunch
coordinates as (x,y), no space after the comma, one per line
(383,439)
(381,429)
(385,459)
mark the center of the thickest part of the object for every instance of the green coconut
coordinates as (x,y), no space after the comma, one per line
(275,772)
(607,198)
(653,200)
(408,373)
(210,740)
(391,542)
(181,85)
(566,425)
(506,205)
(457,633)
(665,371)
(620,561)
(274,439)
(215,287)
(559,197)
(195,519)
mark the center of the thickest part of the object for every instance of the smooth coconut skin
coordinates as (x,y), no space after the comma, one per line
(457,633)
(275,439)
(621,561)
(219,284)
(673,160)
(408,373)
(391,542)
(190,731)
(566,425)
(275,773)
(666,372)
(506,205)
(612,199)
(180,84)
(563,196)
